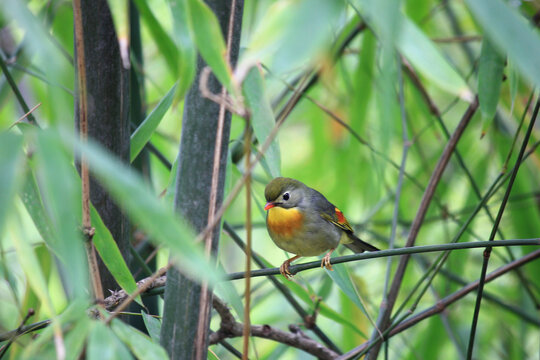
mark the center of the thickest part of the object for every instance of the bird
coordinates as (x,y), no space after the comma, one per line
(300,220)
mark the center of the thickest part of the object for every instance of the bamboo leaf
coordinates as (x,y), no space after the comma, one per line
(60,199)
(104,345)
(111,256)
(287,39)
(509,32)
(10,169)
(153,326)
(144,132)
(417,48)
(490,76)
(342,279)
(209,40)
(184,42)
(163,41)
(140,345)
(155,217)
(262,117)
(423,55)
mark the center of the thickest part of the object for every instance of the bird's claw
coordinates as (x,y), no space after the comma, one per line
(284,270)
(325,263)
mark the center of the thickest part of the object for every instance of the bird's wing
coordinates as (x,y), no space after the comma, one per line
(330,212)
(337,218)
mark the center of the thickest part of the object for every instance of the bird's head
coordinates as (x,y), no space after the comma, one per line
(284,192)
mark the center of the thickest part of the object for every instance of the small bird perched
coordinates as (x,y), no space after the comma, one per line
(301,221)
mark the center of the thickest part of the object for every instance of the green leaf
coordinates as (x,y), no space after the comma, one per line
(423,55)
(287,36)
(112,257)
(155,217)
(511,34)
(61,196)
(104,345)
(31,300)
(513,78)
(31,199)
(262,117)
(209,40)
(75,339)
(105,245)
(327,311)
(229,294)
(153,326)
(140,345)
(145,130)
(412,43)
(10,169)
(72,316)
(342,279)
(490,76)
(184,42)
(166,45)
(29,263)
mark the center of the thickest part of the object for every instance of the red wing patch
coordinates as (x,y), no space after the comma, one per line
(342,222)
(341,217)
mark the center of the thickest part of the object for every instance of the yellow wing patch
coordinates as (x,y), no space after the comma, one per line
(284,222)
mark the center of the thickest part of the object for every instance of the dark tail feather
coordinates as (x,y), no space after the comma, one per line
(359,246)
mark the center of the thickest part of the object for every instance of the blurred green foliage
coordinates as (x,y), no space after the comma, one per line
(342,93)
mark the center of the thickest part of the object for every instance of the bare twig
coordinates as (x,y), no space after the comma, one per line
(442,304)
(229,328)
(28,114)
(384,320)
(487,252)
(16,91)
(247,291)
(142,286)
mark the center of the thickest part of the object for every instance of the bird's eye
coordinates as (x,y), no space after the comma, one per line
(286,196)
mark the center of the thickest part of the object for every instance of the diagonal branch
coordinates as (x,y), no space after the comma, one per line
(384,320)
(442,304)
(487,252)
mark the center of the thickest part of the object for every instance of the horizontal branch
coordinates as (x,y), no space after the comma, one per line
(393,252)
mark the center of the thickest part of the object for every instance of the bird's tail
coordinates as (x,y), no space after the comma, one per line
(359,246)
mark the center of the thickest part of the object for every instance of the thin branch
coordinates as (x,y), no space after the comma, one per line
(16,333)
(230,328)
(440,305)
(142,286)
(247,291)
(406,251)
(415,228)
(487,252)
(15,89)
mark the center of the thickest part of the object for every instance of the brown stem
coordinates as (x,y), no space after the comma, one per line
(230,328)
(88,231)
(384,319)
(443,304)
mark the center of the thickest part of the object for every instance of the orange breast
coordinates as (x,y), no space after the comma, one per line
(284,222)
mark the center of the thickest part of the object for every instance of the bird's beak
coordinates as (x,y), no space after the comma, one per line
(269,205)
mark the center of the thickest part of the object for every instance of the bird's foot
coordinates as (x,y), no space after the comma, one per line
(325,263)
(284,268)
